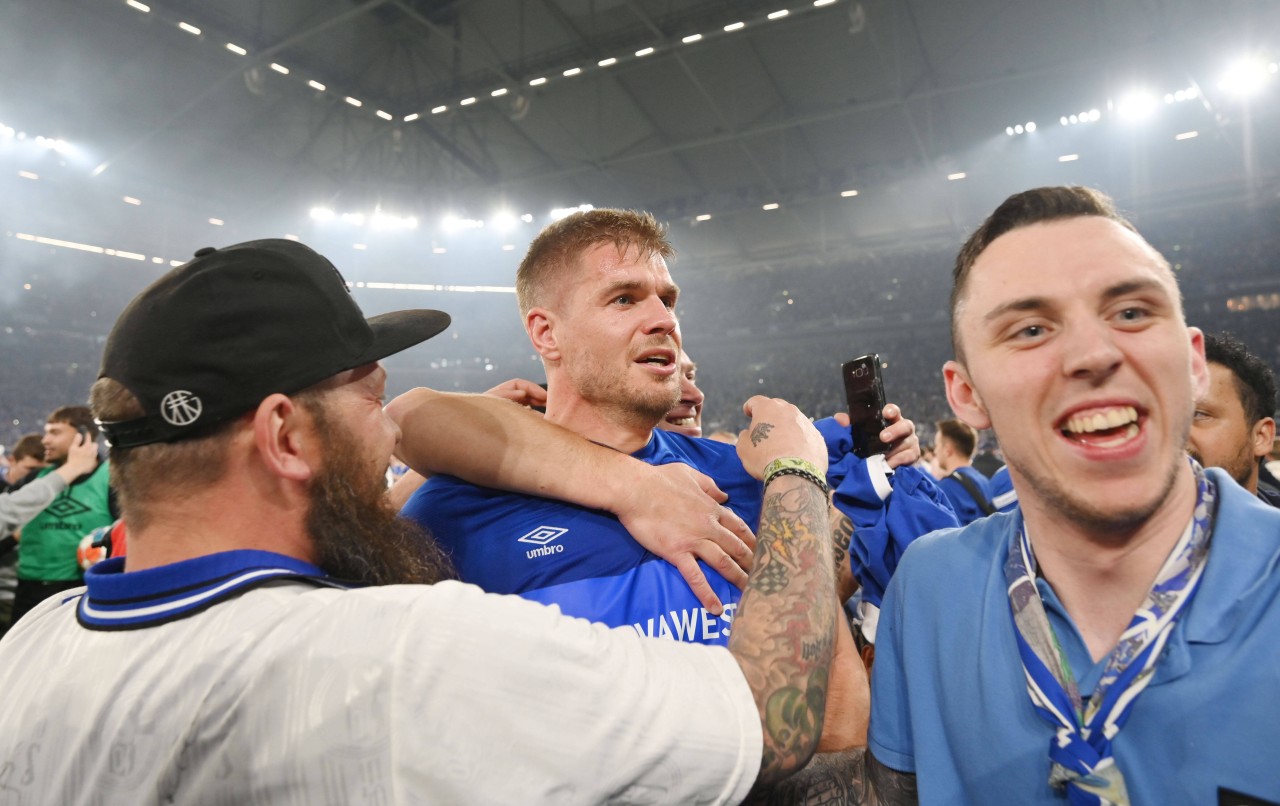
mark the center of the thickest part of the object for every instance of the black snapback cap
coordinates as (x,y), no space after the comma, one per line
(212,338)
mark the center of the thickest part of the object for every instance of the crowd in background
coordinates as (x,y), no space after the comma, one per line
(782,333)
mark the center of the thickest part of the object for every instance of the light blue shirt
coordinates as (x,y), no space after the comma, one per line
(949,697)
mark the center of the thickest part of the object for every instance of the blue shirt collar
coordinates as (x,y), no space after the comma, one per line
(116,600)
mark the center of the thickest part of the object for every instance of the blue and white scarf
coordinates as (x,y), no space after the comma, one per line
(1081,749)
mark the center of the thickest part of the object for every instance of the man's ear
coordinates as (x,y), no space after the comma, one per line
(1263,437)
(541,324)
(963,397)
(1199,366)
(285,438)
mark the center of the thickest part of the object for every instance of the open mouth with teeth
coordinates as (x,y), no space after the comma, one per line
(659,360)
(1102,428)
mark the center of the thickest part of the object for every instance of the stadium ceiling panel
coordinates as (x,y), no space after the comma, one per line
(687,108)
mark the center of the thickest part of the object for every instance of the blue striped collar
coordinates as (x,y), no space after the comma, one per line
(115,600)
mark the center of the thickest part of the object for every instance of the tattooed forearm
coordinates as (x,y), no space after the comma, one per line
(760,432)
(841,535)
(784,628)
(850,778)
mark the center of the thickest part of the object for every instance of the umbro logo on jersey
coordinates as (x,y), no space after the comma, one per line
(541,537)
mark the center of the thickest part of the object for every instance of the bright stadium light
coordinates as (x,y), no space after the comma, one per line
(1137,105)
(503,221)
(1244,77)
(322,214)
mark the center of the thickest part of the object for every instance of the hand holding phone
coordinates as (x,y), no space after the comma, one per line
(864,391)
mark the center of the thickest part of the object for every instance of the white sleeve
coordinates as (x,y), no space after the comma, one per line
(498,699)
(20,506)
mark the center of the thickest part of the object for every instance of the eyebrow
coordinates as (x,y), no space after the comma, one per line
(1040,303)
(636,285)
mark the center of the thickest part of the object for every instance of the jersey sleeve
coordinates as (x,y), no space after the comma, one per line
(889,736)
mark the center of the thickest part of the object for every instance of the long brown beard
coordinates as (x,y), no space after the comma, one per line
(356,534)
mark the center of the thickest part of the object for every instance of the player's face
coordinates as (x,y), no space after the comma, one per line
(686,417)
(616,333)
(1077,354)
(57,441)
(1220,435)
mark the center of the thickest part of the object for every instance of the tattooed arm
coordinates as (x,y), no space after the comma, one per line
(851,778)
(784,629)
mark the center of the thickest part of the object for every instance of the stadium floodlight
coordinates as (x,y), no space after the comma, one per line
(734,26)
(435,110)
(1244,77)
(503,221)
(498,93)
(135,201)
(560,212)
(385,115)
(143,7)
(322,214)
(1031,126)
(703,217)
(642,52)
(691,38)
(1137,105)
(848,194)
(453,223)
(189,28)
(1009,130)
(467,101)
(280,68)
(1018,129)
(957,175)
(527,218)
(217,222)
(609,62)
(354,218)
(236,49)
(356,102)
(540,80)
(411,118)
(770,206)
(315,85)
(779,14)
(572,71)
(387,221)
(1068,158)
(1186,135)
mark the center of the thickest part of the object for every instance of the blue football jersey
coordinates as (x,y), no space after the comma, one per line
(583,560)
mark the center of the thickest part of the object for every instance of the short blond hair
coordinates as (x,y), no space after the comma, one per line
(559,246)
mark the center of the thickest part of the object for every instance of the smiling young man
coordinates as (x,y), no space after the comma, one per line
(1114,642)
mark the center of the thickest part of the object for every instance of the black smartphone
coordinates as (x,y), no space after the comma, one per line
(864,390)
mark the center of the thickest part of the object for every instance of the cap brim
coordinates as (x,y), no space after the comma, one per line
(400,330)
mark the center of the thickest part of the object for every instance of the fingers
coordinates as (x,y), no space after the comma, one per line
(709,487)
(891,412)
(842,418)
(687,565)
(741,543)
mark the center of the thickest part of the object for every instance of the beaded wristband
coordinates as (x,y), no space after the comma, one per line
(795,467)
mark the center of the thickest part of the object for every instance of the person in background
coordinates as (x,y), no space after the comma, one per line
(1234,425)
(968,491)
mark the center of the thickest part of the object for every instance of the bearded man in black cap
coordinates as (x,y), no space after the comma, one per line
(234,656)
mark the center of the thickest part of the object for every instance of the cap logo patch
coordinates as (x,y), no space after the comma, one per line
(180,408)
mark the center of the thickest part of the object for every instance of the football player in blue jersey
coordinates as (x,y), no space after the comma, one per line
(599,304)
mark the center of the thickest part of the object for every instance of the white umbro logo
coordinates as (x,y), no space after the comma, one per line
(543,535)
